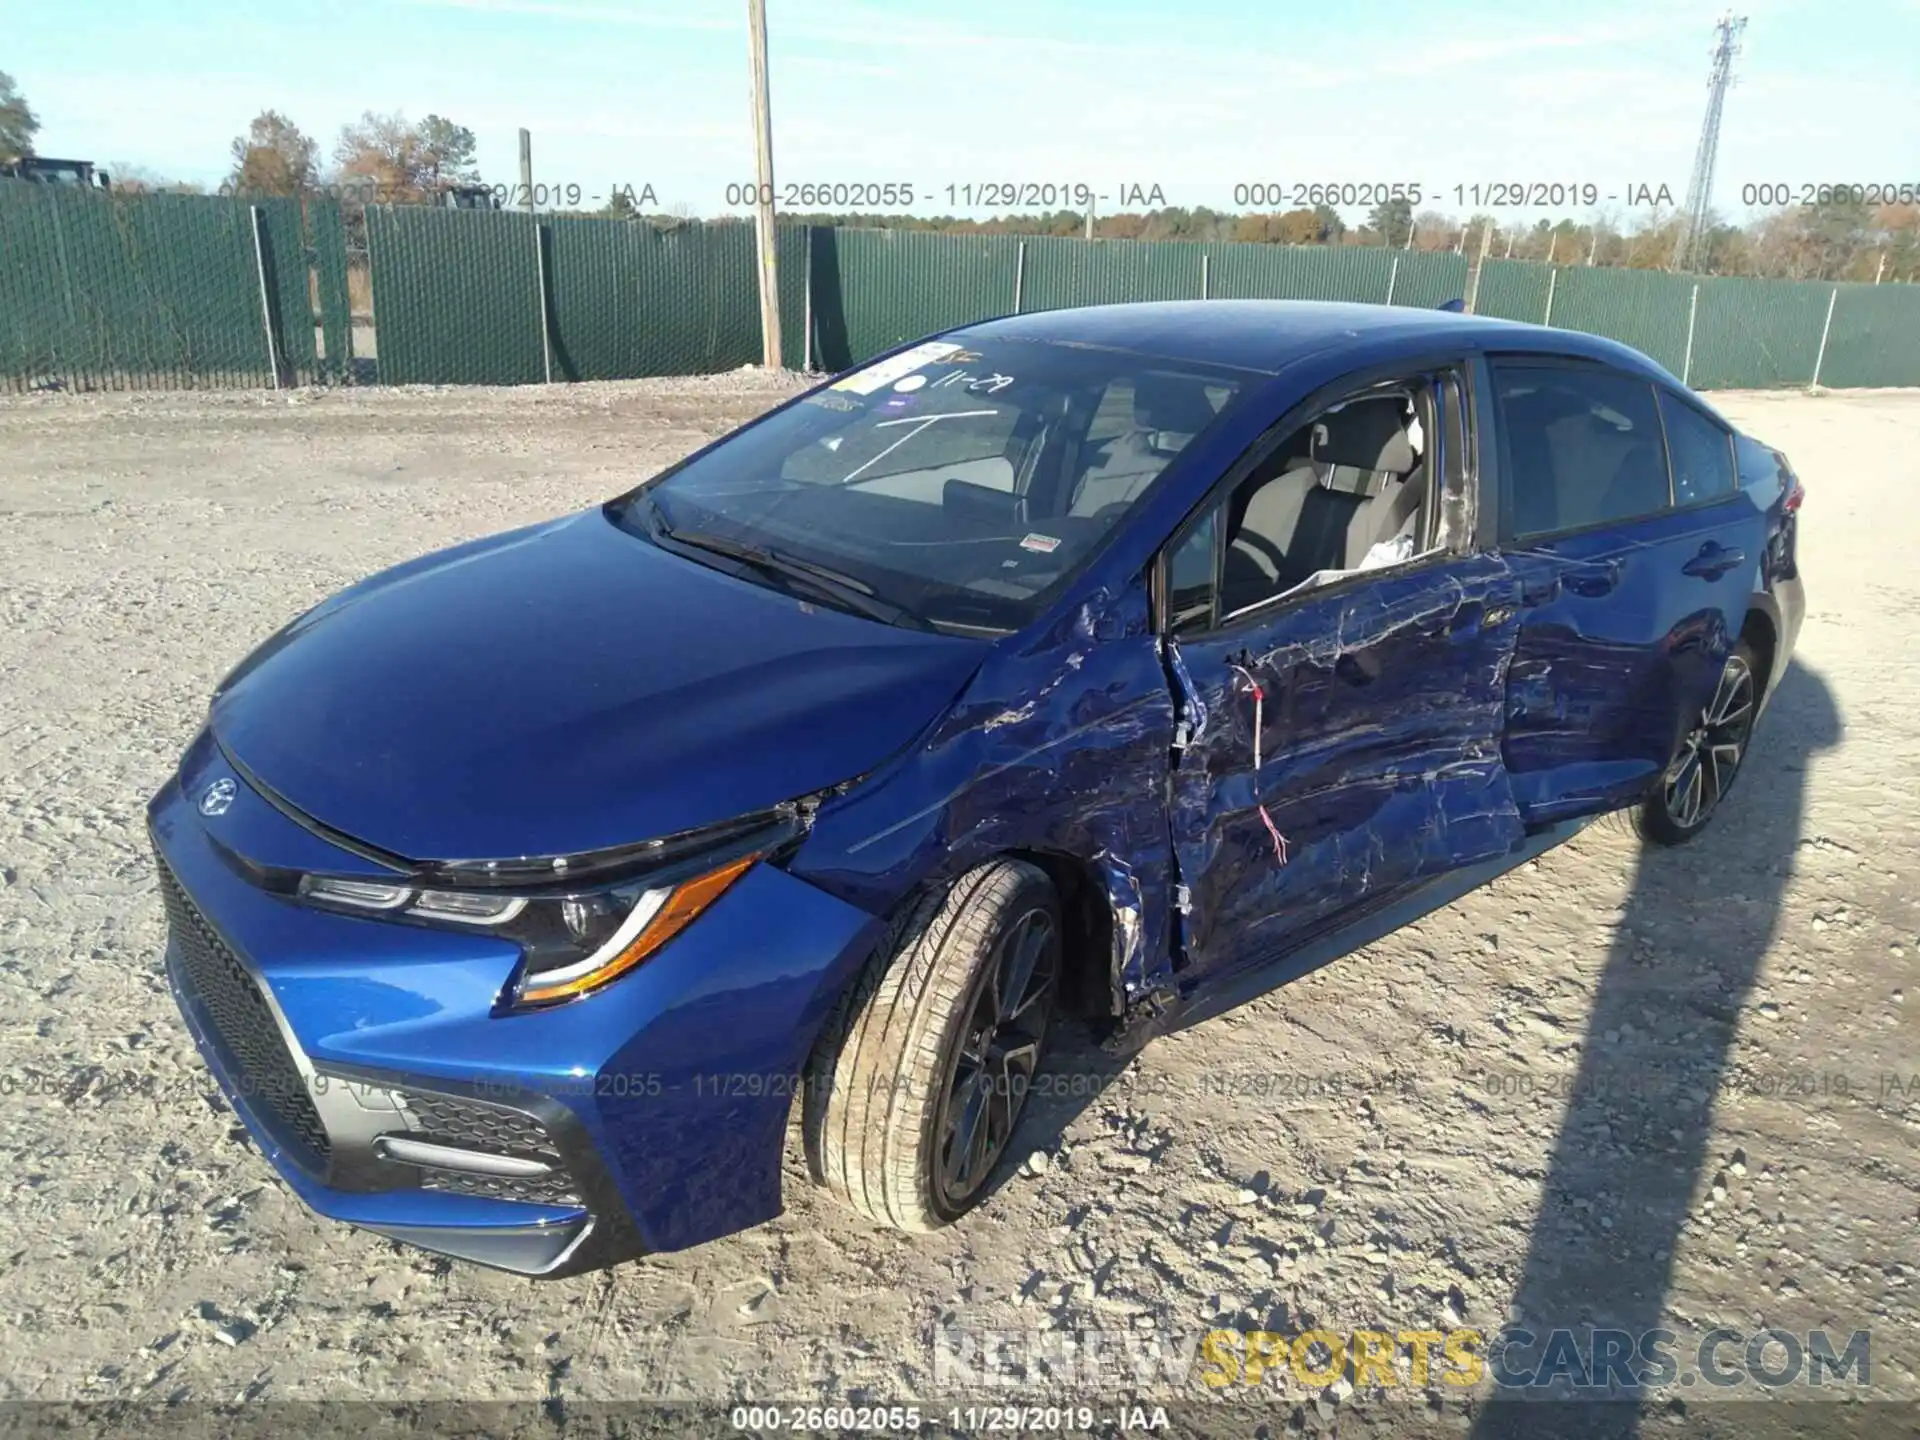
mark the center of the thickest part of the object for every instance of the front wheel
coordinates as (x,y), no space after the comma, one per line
(919,1081)
(1709,758)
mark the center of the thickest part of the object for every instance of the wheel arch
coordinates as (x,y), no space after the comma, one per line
(1090,983)
(1761,629)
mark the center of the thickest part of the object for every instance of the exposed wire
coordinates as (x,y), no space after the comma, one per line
(1259,724)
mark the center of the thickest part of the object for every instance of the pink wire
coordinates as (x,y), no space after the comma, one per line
(1259,705)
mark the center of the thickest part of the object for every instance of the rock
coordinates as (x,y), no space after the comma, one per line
(1038,1163)
(1246,1197)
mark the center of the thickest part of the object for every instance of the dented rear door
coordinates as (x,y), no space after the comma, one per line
(1379,749)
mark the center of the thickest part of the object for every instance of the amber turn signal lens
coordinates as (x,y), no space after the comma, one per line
(683,906)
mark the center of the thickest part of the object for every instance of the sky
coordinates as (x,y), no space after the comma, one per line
(1194,98)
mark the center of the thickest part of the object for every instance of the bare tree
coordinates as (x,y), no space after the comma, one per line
(18,123)
(401,161)
(274,157)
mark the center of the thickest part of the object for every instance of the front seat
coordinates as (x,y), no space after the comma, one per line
(1309,516)
(1168,411)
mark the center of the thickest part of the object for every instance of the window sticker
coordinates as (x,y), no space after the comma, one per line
(1040,544)
(895,367)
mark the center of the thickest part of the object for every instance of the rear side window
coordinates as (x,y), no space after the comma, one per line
(1583,447)
(1702,453)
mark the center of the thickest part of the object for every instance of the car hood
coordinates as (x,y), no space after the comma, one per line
(570,687)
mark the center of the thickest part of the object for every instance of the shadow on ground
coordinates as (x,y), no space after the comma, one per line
(1633,1150)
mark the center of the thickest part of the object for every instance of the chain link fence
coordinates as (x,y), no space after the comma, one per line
(122,291)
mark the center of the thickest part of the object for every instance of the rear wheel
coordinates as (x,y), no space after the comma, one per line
(920,1079)
(1709,758)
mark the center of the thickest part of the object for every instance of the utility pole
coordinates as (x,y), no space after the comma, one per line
(1693,224)
(763,196)
(526,171)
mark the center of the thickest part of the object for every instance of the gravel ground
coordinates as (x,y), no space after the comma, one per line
(1614,1087)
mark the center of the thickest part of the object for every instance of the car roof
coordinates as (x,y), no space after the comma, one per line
(1269,335)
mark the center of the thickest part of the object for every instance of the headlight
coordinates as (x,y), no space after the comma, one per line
(609,933)
(573,941)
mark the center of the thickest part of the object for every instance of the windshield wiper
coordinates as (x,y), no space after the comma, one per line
(845,591)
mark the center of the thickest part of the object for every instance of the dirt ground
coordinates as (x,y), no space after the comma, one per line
(1677,1088)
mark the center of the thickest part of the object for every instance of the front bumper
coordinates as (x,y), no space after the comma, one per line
(372,1063)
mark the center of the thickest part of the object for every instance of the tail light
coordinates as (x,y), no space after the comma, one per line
(1796,494)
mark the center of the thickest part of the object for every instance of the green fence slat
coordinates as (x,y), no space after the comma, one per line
(1513,290)
(791,257)
(1427,279)
(123,291)
(874,289)
(1247,271)
(1646,309)
(455,296)
(1061,271)
(119,290)
(1875,338)
(1750,334)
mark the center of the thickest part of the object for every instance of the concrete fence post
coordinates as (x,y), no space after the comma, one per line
(1393,279)
(1019,273)
(1553,283)
(1825,330)
(1206,279)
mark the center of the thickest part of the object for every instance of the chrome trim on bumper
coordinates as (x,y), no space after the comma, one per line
(450,1157)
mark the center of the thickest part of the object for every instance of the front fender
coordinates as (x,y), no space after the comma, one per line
(1059,745)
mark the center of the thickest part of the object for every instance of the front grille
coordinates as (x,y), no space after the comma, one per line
(243,1022)
(477,1125)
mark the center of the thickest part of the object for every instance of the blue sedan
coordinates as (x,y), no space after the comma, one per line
(1118,663)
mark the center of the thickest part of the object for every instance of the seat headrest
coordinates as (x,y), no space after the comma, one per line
(1368,435)
(1177,403)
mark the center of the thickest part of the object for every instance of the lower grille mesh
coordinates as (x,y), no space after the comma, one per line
(475,1125)
(243,1022)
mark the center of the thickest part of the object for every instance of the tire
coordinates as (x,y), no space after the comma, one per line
(901,1066)
(1709,759)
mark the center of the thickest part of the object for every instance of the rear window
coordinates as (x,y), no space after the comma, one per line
(1702,452)
(964,480)
(1583,447)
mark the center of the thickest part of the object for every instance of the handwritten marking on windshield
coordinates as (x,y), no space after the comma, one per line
(919,423)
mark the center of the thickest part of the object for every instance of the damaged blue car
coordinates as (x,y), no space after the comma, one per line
(1117,663)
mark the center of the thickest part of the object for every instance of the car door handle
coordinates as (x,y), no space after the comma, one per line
(1713,561)
(1540,591)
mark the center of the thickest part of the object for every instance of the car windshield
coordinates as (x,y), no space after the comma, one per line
(957,484)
